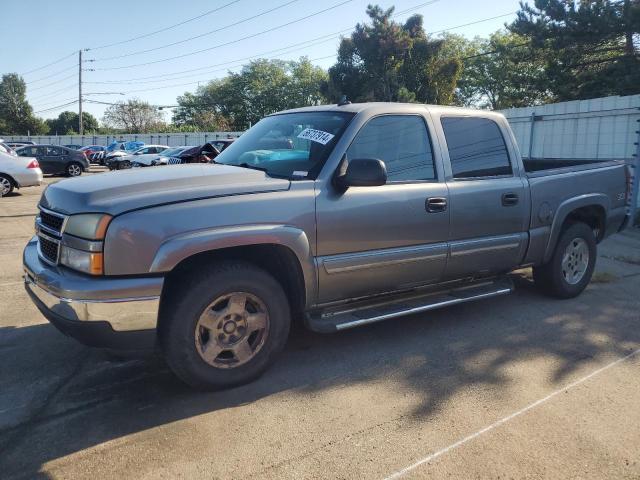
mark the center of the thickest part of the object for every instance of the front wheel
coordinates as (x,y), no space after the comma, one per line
(570,269)
(74,170)
(225,326)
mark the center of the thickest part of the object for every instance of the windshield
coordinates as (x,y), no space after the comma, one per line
(172,151)
(291,145)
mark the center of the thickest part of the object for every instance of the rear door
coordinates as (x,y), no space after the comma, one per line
(488,198)
(55,159)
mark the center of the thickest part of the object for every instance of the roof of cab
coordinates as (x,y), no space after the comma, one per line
(392,107)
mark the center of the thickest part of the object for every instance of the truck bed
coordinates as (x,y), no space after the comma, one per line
(533,165)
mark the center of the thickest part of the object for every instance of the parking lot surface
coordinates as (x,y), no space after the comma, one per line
(521,386)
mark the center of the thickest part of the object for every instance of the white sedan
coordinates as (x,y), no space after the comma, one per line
(17,172)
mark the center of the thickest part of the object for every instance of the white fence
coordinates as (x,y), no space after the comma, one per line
(170,139)
(596,128)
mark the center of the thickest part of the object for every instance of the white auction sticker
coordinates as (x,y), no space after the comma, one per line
(316,136)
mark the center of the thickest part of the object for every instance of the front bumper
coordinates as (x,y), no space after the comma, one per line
(118,313)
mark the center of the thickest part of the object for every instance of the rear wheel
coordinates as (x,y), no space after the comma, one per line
(74,169)
(6,185)
(570,269)
(225,326)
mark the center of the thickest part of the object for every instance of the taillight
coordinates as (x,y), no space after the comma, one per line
(33,164)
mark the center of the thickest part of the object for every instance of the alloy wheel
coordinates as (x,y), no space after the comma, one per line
(575,261)
(232,330)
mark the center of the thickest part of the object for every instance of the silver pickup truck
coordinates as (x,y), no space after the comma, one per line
(336,216)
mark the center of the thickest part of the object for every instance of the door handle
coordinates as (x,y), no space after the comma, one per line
(435,204)
(509,199)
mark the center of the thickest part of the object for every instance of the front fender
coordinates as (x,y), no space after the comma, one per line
(563,211)
(180,247)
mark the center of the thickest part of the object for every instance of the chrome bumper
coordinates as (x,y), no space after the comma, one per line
(127,304)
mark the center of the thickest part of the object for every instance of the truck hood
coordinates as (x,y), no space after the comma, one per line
(124,190)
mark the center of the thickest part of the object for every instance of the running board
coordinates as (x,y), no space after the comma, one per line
(351,316)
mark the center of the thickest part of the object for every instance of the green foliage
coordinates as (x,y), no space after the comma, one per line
(387,61)
(502,72)
(590,48)
(260,88)
(16,115)
(67,123)
(134,116)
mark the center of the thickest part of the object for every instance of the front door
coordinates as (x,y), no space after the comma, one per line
(488,199)
(383,239)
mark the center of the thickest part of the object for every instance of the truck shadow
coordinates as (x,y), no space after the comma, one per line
(60,397)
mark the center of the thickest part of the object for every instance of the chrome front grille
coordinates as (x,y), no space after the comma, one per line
(174,161)
(49,227)
(48,248)
(52,221)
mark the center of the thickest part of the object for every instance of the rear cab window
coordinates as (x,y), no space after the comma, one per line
(476,147)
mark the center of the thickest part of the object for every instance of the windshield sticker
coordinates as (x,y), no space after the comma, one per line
(300,174)
(315,135)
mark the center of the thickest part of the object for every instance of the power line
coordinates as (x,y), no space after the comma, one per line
(200,35)
(323,38)
(53,83)
(48,64)
(165,28)
(67,87)
(52,75)
(57,107)
(277,27)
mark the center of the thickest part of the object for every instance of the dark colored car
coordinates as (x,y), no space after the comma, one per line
(18,144)
(202,153)
(55,160)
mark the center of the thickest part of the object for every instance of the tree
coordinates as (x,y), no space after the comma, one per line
(260,88)
(16,115)
(591,47)
(134,116)
(387,61)
(67,123)
(502,71)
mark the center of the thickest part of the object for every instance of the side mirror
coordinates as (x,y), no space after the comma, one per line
(361,172)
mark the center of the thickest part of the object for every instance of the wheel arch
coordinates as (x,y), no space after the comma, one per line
(282,251)
(591,209)
(11,179)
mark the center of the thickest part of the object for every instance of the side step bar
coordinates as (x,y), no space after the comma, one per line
(351,316)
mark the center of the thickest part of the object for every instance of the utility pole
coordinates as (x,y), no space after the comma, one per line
(80,92)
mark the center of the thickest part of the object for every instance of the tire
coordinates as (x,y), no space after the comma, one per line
(209,352)
(570,269)
(74,169)
(6,185)
(124,165)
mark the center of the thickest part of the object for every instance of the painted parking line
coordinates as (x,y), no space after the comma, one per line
(473,436)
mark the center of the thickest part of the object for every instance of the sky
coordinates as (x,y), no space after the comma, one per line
(119,65)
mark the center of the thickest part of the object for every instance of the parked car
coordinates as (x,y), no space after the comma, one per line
(162,158)
(89,151)
(15,145)
(17,172)
(202,153)
(117,149)
(379,210)
(122,162)
(57,160)
(73,146)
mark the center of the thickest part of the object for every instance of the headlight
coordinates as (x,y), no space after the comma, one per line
(87,262)
(91,226)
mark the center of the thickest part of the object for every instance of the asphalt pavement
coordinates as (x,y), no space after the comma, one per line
(521,386)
